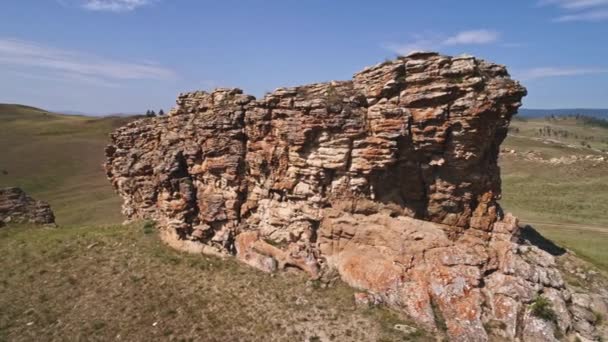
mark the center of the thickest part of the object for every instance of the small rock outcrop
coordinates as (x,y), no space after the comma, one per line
(390,179)
(17,207)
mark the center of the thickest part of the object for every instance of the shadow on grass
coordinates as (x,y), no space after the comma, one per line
(533,237)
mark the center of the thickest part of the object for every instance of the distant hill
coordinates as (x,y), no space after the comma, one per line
(74,112)
(538,113)
(58,158)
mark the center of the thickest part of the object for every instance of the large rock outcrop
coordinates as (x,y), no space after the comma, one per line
(390,179)
(17,207)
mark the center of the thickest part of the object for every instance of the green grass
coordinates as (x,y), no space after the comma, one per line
(556,193)
(589,245)
(541,308)
(578,130)
(566,203)
(58,158)
(96,283)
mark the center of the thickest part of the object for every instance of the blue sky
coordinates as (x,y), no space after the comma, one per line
(107,56)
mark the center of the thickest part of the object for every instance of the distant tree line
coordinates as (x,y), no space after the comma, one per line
(549,131)
(151,113)
(580,119)
(593,121)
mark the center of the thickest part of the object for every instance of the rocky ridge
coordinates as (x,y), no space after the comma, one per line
(389,179)
(17,207)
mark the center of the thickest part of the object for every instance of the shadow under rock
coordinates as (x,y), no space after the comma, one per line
(532,236)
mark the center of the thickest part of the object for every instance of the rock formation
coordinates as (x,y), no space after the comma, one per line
(17,207)
(390,179)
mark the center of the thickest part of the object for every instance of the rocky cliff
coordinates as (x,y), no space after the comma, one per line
(17,207)
(390,179)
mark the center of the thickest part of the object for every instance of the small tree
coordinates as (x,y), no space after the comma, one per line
(161,112)
(150,113)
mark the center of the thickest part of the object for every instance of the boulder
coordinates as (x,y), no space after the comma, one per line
(17,207)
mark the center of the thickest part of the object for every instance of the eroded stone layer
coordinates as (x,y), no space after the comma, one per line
(390,178)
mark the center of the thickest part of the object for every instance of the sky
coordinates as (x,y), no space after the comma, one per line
(127,56)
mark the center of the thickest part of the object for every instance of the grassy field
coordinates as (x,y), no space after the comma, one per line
(567,203)
(54,282)
(583,134)
(58,158)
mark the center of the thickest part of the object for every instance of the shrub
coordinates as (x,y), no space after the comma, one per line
(541,308)
(598,318)
(149,227)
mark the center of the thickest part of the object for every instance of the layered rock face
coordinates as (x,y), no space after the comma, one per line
(17,207)
(390,178)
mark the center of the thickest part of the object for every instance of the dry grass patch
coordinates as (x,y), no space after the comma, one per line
(119,283)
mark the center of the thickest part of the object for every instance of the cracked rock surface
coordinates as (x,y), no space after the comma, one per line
(390,179)
(17,207)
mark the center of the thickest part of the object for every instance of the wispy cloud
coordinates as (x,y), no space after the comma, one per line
(436,42)
(579,10)
(544,72)
(65,78)
(574,4)
(115,5)
(590,16)
(108,5)
(76,66)
(472,37)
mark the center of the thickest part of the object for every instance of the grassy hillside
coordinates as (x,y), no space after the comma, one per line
(58,158)
(566,202)
(582,134)
(121,283)
(541,113)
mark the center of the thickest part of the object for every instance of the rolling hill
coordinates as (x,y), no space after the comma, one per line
(58,158)
(556,181)
(540,113)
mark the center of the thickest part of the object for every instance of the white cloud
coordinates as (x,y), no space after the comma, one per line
(590,16)
(473,37)
(544,72)
(579,10)
(435,42)
(76,66)
(574,4)
(114,5)
(65,78)
(107,5)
